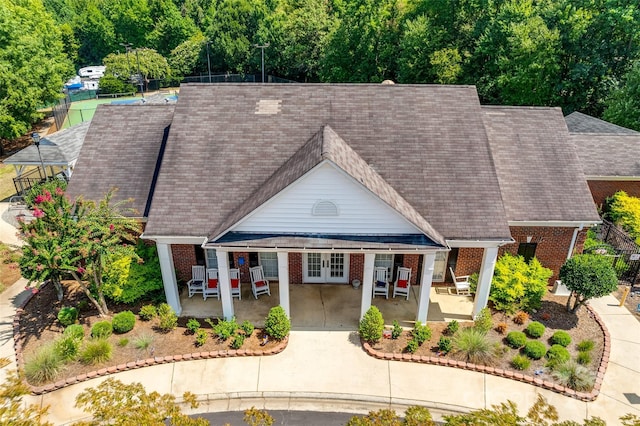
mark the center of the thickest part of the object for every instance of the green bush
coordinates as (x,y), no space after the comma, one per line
(517,285)
(574,376)
(123,322)
(371,325)
(516,339)
(412,346)
(535,349)
(167,319)
(112,84)
(143,341)
(148,312)
(193,325)
(535,329)
(624,211)
(474,346)
(418,416)
(396,331)
(43,366)
(586,346)
(421,333)
(445,345)
(101,330)
(123,342)
(583,358)
(587,276)
(561,337)
(520,362)
(277,324)
(126,280)
(557,354)
(96,352)
(74,330)
(237,341)
(247,327)
(67,315)
(67,348)
(452,327)
(201,337)
(225,329)
(483,321)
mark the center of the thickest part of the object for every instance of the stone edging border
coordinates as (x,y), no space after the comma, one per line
(514,375)
(39,390)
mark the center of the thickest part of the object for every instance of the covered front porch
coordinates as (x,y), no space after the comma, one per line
(331,307)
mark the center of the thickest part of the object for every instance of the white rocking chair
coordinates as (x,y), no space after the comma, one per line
(381,282)
(402,284)
(258,284)
(211,288)
(236,289)
(196,283)
(463,287)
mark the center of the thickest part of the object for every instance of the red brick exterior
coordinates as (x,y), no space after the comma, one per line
(601,189)
(469,261)
(356,267)
(244,269)
(295,268)
(184,256)
(412,261)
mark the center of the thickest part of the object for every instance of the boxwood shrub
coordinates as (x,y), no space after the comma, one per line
(123,322)
(101,330)
(535,329)
(520,362)
(557,354)
(67,315)
(535,349)
(516,339)
(561,337)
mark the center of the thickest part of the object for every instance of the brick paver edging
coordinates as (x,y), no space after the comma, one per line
(38,390)
(510,374)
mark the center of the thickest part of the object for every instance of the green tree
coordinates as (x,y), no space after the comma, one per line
(13,411)
(151,64)
(131,19)
(587,276)
(33,65)
(171,28)
(623,106)
(184,59)
(115,403)
(94,33)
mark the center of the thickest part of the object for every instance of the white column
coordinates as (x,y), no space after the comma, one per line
(428,263)
(484,279)
(169,277)
(225,284)
(283,281)
(367,283)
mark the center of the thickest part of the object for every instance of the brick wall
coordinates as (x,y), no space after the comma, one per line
(245,277)
(412,261)
(469,261)
(184,256)
(295,268)
(356,267)
(601,189)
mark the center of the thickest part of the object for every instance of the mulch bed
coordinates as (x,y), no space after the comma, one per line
(37,325)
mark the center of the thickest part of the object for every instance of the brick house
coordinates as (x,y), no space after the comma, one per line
(322,183)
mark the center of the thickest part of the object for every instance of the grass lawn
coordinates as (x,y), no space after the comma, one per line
(9,270)
(7,173)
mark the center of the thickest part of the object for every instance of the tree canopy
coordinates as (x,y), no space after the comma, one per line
(587,276)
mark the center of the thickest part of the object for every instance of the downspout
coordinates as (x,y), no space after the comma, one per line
(573,240)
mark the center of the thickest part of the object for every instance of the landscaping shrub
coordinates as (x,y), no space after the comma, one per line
(167,319)
(445,345)
(516,339)
(237,341)
(520,362)
(67,347)
(586,346)
(247,327)
(535,329)
(587,276)
(534,349)
(201,337)
(396,331)
(412,346)
(624,211)
(143,341)
(418,416)
(96,352)
(148,312)
(421,332)
(67,315)
(502,327)
(225,329)
(557,354)
(382,417)
(474,346)
(277,324)
(452,327)
(101,330)
(561,337)
(583,358)
(517,284)
(574,376)
(123,322)
(545,316)
(521,318)
(193,325)
(483,322)
(43,366)
(123,342)
(371,325)
(74,330)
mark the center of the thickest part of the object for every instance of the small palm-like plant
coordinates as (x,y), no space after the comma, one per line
(473,345)
(574,376)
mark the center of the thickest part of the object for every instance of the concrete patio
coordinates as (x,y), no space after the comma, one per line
(331,307)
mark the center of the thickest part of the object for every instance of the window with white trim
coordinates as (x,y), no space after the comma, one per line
(269,262)
(440,266)
(212,259)
(384,261)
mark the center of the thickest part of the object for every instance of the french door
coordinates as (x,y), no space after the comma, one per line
(326,268)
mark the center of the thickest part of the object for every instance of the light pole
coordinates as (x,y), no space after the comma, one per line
(262,47)
(139,74)
(36,141)
(208,61)
(127,47)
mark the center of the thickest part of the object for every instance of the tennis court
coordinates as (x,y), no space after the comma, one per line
(84,110)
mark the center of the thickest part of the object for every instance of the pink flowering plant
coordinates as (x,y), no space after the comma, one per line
(74,239)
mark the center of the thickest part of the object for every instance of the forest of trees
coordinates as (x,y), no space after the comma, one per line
(577,54)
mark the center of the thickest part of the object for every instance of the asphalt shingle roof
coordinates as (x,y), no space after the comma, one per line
(613,155)
(121,150)
(578,122)
(538,168)
(427,143)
